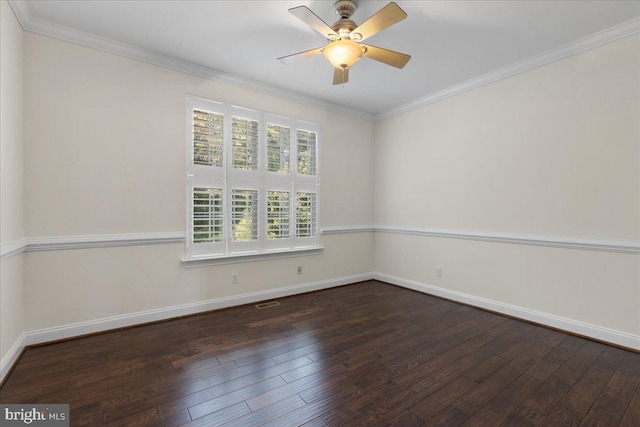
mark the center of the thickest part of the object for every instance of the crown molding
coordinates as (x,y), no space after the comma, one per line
(616,32)
(39,26)
(21,11)
(46,28)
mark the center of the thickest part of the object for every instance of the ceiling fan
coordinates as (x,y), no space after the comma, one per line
(344,47)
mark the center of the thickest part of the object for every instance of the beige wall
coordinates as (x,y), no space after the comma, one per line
(11,178)
(553,152)
(11,161)
(107,153)
(107,156)
(75,286)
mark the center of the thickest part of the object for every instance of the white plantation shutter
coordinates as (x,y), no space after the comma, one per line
(208,132)
(208,226)
(278,215)
(243,180)
(244,215)
(306,215)
(306,142)
(244,139)
(306,185)
(206,135)
(205,177)
(278,148)
(252,181)
(277,182)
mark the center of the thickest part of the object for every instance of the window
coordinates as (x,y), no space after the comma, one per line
(253,181)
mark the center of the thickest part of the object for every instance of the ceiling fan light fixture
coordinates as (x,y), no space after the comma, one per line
(343,49)
(343,53)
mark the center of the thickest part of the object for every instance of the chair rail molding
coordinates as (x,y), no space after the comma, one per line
(566,242)
(11,249)
(347,229)
(57,243)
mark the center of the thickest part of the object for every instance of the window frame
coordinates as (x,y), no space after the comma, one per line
(261,180)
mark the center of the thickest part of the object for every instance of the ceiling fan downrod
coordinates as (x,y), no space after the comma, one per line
(345,26)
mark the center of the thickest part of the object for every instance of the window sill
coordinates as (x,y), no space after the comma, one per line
(207,260)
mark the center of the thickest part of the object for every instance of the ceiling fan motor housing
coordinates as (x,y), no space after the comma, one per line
(344,8)
(345,26)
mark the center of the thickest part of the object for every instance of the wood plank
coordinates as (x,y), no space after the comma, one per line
(316,422)
(449,416)
(593,381)
(222,416)
(443,397)
(608,409)
(269,413)
(632,415)
(503,404)
(221,402)
(255,381)
(593,422)
(626,379)
(147,417)
(535,409)
(569,411)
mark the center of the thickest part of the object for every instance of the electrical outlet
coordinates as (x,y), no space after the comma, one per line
(234,278)
(299,269)
(438,271)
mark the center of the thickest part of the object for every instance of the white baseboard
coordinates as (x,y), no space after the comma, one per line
(585,329)
(114,322)
(141,317)
(12,356)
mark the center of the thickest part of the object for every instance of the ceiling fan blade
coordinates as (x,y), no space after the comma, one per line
(305,14)
(340,76)
(385,17)
(389,57)
(295,56)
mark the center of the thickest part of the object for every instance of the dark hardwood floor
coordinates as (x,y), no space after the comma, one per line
(363,354)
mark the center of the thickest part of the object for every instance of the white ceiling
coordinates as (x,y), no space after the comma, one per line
(450,42)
